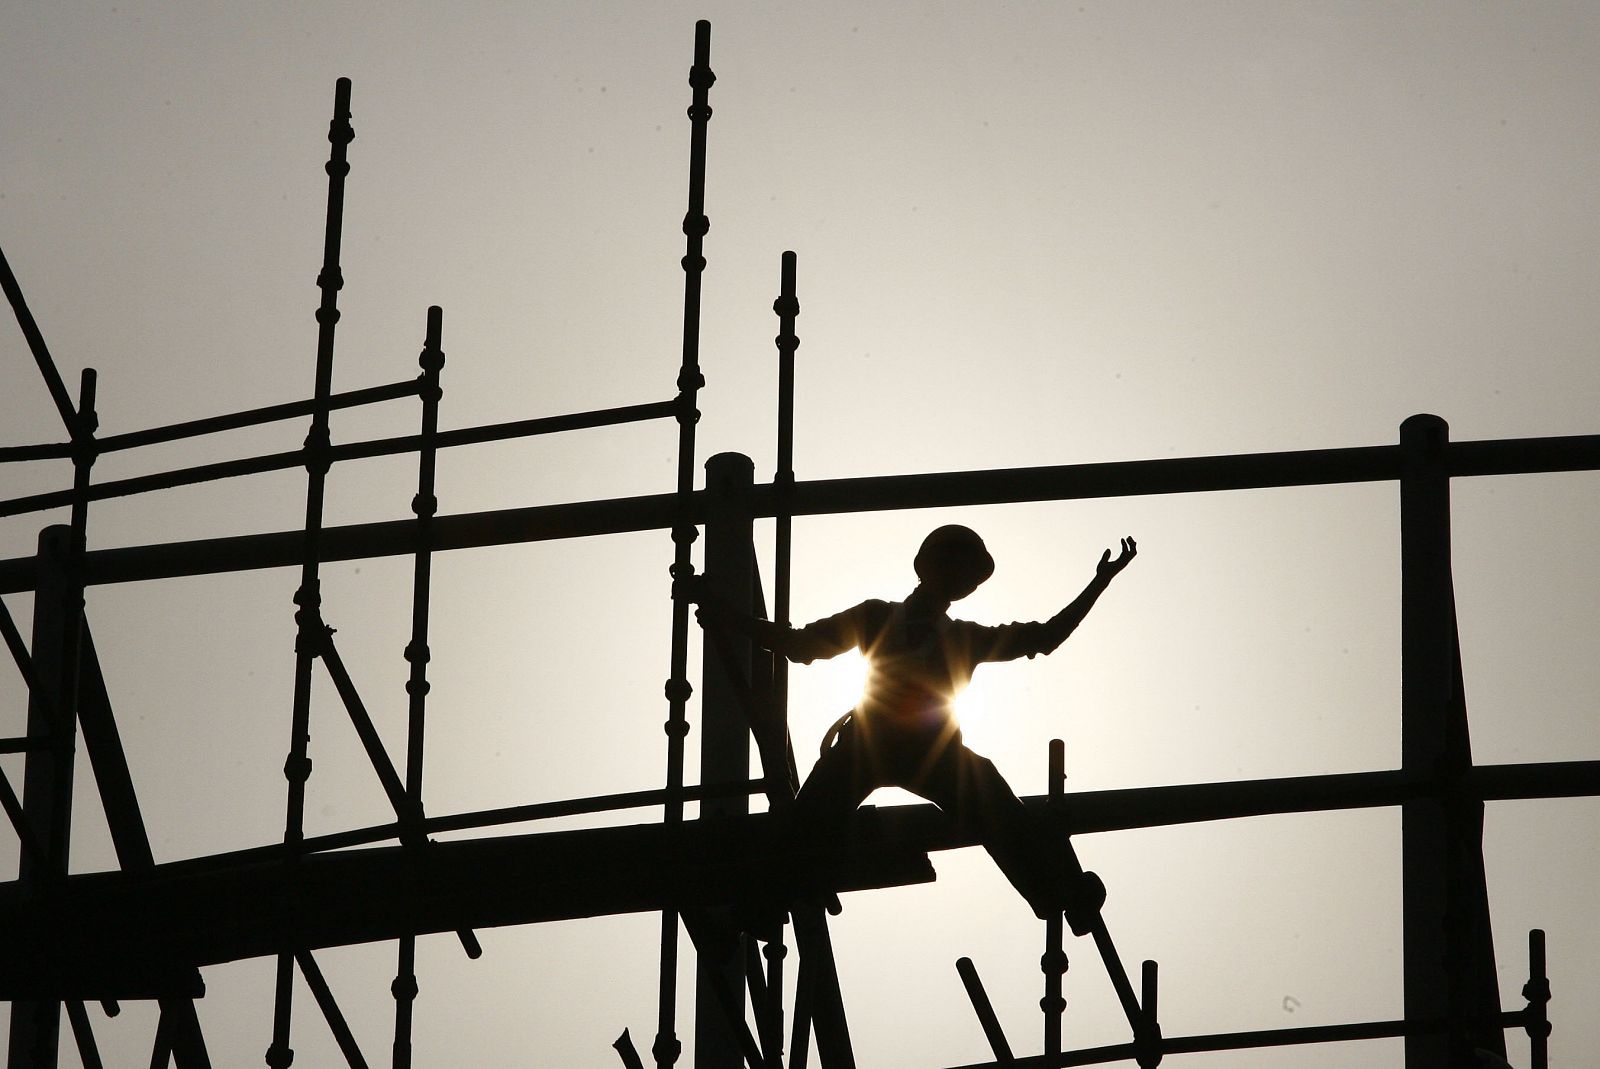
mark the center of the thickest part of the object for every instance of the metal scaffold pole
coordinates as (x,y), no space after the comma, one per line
(1448,950)
(47,778)
(724,750)
(787,307)
(308,598)
(35,1028)
(1053,962)
(424,505)
(667,1047)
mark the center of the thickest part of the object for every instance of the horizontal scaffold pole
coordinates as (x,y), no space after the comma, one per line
(1316,467)
(115,934)
(121,928)
(294,458)
(254,417)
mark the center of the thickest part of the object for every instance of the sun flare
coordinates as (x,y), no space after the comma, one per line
(823,691)
(972,713)
(835,686)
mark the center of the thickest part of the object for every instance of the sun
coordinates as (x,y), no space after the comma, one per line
(973,712)
(826,690)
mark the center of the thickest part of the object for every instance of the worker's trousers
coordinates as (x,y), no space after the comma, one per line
(966,785)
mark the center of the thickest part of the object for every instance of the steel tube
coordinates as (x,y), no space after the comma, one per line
(821,497)
(1273,1037)
(666,1047)
(489,818)
(1053,962)
(253,417)
(83,1035)
(985,1011)
(36,345)
(16,454)
(35,1025)
(308,596)
(119,929)
(787,306)
(330,1010)
(424,505)
(380,447)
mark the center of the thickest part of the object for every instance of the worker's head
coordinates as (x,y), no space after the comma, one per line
(953,561)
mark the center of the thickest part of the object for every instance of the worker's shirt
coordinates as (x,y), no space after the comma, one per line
(920,659)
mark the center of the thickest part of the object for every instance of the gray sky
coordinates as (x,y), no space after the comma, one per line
(1028,234)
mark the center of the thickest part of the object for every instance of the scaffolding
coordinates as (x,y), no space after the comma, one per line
(145,931)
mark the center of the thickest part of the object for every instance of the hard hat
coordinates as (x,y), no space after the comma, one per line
(954,551)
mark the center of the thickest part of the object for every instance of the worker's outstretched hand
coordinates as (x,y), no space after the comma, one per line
(1108,568)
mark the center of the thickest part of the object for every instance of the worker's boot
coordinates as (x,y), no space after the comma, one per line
(1085,895)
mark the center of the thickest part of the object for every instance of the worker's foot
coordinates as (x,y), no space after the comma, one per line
(1077,897)
(1085,895)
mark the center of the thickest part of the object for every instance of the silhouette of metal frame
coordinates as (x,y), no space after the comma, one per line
(111,936)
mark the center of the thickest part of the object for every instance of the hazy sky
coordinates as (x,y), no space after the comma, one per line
(1028,234)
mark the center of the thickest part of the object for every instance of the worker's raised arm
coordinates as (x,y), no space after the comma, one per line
(1065,622)
(1009,641)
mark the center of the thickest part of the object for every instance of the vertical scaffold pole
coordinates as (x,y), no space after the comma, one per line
(1536,1019)
(1448,950)
(34,1033)
(35,1028)
(1053,962)
(1147,1037)
(424,506)
(724,739)
(308,598)
(787,306)
(695,225)
(1424,694)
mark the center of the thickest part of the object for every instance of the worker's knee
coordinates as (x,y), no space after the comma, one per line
(982,773)
(984,767)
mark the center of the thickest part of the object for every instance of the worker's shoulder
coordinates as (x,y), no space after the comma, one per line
(874,612)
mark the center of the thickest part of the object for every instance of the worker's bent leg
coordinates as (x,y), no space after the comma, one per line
(1034,858)
(841,781)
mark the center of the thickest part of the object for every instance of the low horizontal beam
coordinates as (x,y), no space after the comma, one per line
(1092,812)
(114,935)
(1252,1040)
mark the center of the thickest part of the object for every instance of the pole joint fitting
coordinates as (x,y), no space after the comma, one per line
(296,769)
(666,1049)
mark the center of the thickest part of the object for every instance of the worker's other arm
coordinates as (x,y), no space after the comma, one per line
(825,638)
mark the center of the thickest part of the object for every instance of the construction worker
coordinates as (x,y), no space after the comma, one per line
(904,733)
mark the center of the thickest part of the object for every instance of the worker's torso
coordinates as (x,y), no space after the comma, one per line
(919,662)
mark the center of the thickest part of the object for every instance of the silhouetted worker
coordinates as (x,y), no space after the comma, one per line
(904,733)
